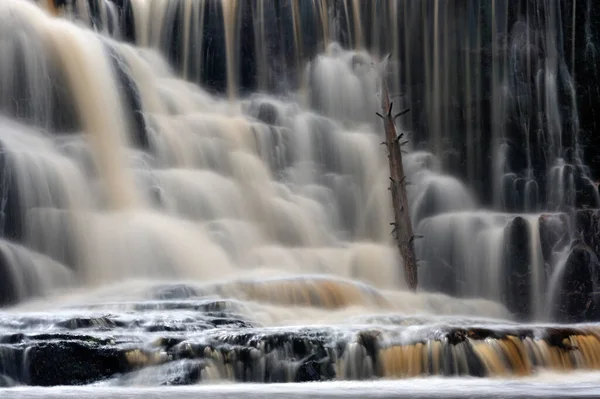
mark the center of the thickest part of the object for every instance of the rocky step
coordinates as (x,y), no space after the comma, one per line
(408,348)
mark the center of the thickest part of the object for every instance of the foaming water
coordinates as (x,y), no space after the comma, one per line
(546,385)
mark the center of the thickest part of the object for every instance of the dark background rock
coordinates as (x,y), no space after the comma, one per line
(517,268)
(578,299)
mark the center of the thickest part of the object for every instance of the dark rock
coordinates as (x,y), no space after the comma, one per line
(131,98)
(518,269)
(264,110)
(577,299)
(101,323)
(12,338)
(587,225)
(554,234)
(313,369)
(186,374)
(61,362)
(11,221)
(73,363)
(306,352)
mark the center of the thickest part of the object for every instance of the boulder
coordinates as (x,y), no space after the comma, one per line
(578,298)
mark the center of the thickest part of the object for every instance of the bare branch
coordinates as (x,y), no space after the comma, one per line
(402,224)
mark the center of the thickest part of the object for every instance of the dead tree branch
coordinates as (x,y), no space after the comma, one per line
(402,224)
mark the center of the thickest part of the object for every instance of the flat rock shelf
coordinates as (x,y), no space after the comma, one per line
(187,339)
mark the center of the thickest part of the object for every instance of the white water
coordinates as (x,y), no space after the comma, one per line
(215,194)
(546,385)
(218,194)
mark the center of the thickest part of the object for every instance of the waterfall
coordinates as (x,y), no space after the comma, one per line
(196,190)
(144,173)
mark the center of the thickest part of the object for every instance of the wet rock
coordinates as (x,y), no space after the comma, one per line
(587,225)
(313,369)
(264,110)
(198,324)
(518,268)
(577,299)
(12,338)
(101,323)
(131,97)
(63,363)
(554,234)
(286,354)
(262,356)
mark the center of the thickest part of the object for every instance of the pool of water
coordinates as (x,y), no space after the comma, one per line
(544,385)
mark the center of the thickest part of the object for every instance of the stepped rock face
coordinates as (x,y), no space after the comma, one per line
(192,339)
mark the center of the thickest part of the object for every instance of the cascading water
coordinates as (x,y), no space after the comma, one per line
(196,190)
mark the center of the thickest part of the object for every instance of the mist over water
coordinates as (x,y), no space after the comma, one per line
(214,170)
